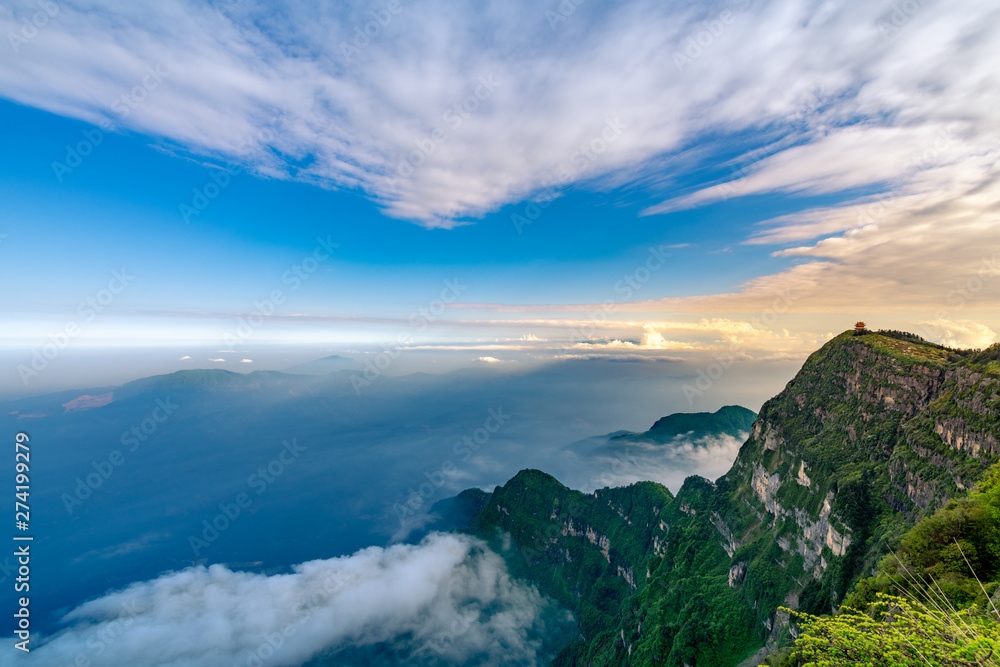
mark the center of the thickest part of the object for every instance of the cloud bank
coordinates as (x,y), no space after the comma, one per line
(440,112)
(600,462)
(447,599)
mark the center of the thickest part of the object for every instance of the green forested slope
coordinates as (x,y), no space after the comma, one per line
(874,433)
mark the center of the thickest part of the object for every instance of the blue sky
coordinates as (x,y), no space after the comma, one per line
(822,148)
(123,201)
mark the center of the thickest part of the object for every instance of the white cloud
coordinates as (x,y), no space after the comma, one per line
(650,358)
(488,360)
(710,335)
(217,361)
(184,358)
(957,333)
(447,598)
(605,343)
(620,464)
(653,339)
(246,361)
(838,102)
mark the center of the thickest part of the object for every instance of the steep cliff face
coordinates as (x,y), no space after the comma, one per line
(873,433)
(589,551)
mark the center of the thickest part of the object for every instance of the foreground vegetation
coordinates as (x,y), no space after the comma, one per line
(933,602)
(898,632)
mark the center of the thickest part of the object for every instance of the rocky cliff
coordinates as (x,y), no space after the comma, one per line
(873,433)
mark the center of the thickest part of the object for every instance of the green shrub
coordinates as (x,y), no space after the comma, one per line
(897,632)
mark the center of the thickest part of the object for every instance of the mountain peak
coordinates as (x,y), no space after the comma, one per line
(900,344)
(731,420)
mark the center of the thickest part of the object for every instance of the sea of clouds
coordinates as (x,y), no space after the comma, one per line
(447,600)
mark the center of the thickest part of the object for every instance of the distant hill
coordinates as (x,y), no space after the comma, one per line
(204,380)
(732,420)
(330,364)
(681,428)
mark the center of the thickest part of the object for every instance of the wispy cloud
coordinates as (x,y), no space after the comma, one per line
(837,101)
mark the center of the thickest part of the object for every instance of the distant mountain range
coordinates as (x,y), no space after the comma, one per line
(875,432)
(330,364)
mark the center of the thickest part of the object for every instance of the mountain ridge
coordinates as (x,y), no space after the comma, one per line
(729,419)
(873,433)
